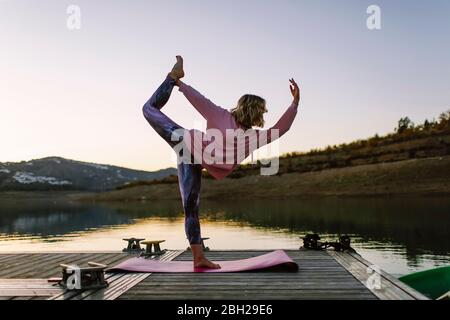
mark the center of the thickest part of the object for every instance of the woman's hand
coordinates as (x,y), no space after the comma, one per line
(295,91)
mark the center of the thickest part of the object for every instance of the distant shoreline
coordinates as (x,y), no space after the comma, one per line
(414,160)
(424,177)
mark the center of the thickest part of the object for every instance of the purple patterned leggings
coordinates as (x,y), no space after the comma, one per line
(189,175)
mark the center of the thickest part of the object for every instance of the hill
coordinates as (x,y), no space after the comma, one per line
(429,176)
(414,159)
(55,173)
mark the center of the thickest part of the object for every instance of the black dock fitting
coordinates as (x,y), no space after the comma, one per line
(152,244)
(203,245)
(133,245)
(83,278)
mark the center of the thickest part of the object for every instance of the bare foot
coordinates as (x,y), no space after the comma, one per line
(205,263)
(177,70)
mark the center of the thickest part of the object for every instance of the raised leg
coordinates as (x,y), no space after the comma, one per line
(162,124)
(162,94)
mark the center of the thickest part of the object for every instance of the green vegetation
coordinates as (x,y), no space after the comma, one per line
(408,141)
(167,180)
(406,130)
(414,177)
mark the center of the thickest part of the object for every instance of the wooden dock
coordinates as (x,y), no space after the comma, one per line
(321,275)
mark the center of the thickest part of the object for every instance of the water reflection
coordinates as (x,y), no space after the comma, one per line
(420,225)
(52,218)
(414,231)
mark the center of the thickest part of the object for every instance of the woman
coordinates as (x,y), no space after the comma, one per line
(248,113)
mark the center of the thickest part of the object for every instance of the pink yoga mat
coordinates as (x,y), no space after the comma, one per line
(278,260)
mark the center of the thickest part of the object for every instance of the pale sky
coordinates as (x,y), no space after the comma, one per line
(79,93)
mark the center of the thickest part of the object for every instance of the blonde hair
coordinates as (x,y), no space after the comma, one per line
(249,111)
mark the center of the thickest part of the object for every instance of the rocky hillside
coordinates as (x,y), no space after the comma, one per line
(428,176)
(55,173)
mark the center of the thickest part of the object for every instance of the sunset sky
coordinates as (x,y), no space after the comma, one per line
(79,93)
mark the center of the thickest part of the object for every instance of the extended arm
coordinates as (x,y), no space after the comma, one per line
(281,127)
(203,105)
(285,122)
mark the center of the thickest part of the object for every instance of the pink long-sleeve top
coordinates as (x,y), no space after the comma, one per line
(214,153)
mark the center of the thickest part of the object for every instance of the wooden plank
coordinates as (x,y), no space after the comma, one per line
(121,283)
(319,277)
(15,280)
(116,291)
(65,295)
(22,298)
(11,256)
(29,292)
(125,283)
(48,265)
(19,261)
(412,292)
(240,294)
(22,266)
(36,268)
(27,288)
(388,289)
(344,286)
(359,271)
(45,264)
(39,298)
(118,284)
(55,270)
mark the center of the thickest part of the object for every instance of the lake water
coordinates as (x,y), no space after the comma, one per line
(400,235)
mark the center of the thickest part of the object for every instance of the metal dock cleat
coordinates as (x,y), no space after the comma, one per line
(133,245)
(152,248)
(312,241)
(203,245)
(83,278)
